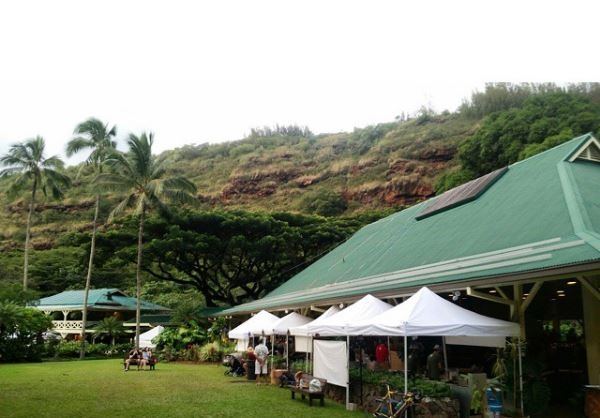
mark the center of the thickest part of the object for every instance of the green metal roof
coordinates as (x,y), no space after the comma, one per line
(543,213)
(98,299)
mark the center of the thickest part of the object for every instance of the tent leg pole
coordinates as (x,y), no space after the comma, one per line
(389,359)
(272,352)
(287,352)
(405,364)
(520,377)
(445,355)
(348,369)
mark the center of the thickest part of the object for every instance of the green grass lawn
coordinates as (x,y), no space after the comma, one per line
(99,388)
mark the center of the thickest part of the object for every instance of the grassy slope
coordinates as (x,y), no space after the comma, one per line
(275,173)
(98,388)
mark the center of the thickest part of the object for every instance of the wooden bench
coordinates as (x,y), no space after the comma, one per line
(137,362)
(302,387)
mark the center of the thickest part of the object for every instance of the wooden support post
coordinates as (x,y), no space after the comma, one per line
(589,286)
(534,290)
(518,314)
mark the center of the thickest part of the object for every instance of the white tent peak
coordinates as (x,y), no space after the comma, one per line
(303,330)
(147,337)
(367,307)
(426,313)
(289,321)
(259,324)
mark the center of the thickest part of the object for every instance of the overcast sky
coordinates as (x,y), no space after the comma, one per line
(195,72)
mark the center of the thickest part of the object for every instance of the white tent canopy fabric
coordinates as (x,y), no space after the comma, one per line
(367,307)
(303,330)
(426,313)
(288,322)
(146,337)
(259,324)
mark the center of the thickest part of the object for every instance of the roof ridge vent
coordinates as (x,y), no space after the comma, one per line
(462,194)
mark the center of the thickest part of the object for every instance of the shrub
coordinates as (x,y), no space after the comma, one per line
(425,387)
(21,331)
(211,352)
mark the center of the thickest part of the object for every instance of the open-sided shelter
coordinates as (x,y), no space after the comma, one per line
(523,232)
(66,309)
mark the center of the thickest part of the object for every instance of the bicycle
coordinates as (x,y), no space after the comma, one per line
(390,407)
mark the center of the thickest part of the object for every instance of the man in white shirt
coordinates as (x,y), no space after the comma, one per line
(261,366)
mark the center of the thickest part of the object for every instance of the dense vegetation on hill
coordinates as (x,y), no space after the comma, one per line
(305,189)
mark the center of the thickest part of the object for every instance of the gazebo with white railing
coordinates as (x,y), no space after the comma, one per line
(66,309)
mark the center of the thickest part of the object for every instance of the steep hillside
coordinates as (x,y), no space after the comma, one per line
(385,166)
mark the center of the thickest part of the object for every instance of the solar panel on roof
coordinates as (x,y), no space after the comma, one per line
(462,194)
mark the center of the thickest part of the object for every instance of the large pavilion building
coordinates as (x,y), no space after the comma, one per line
(66,310)
(521,243)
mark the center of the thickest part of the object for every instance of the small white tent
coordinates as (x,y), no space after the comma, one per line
(335,325)
(426,313)
(146,337)
(288,322)
(283,326)
(326,359)
(260,324)
(303,330)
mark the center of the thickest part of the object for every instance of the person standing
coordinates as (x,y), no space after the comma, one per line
(434,364)
(261,366)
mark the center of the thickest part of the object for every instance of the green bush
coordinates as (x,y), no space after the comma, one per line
(211,352)
(21,331)
(425,387)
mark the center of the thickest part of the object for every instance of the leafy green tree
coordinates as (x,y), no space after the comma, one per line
(29,168)
(324,203)
(181,337)
(110,326)
(145,180)
(234,256)
(96,136)
(21,331)
(506,136)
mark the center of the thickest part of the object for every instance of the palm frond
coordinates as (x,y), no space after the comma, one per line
(124,204)
(77,144)
(53,162)
(112,182)
(181,183)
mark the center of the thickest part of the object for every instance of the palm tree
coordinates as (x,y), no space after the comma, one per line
(92,134)
(110,326)
(144,178)
(30,169)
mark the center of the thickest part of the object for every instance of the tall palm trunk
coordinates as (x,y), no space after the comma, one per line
(138,279)
(88,279)
(28,236)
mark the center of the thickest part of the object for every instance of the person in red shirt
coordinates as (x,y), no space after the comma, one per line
(381,353)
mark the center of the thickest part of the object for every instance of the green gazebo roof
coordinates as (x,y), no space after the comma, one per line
(541,214)
(98,299)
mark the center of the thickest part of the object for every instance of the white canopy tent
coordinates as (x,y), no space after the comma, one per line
(283,326)
(260,324)
(303,337)
(290,321)
(367,307)
(427,314)
(303,330)
(362,310)
(146,337)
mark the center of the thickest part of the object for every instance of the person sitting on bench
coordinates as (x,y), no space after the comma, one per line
(134,356)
